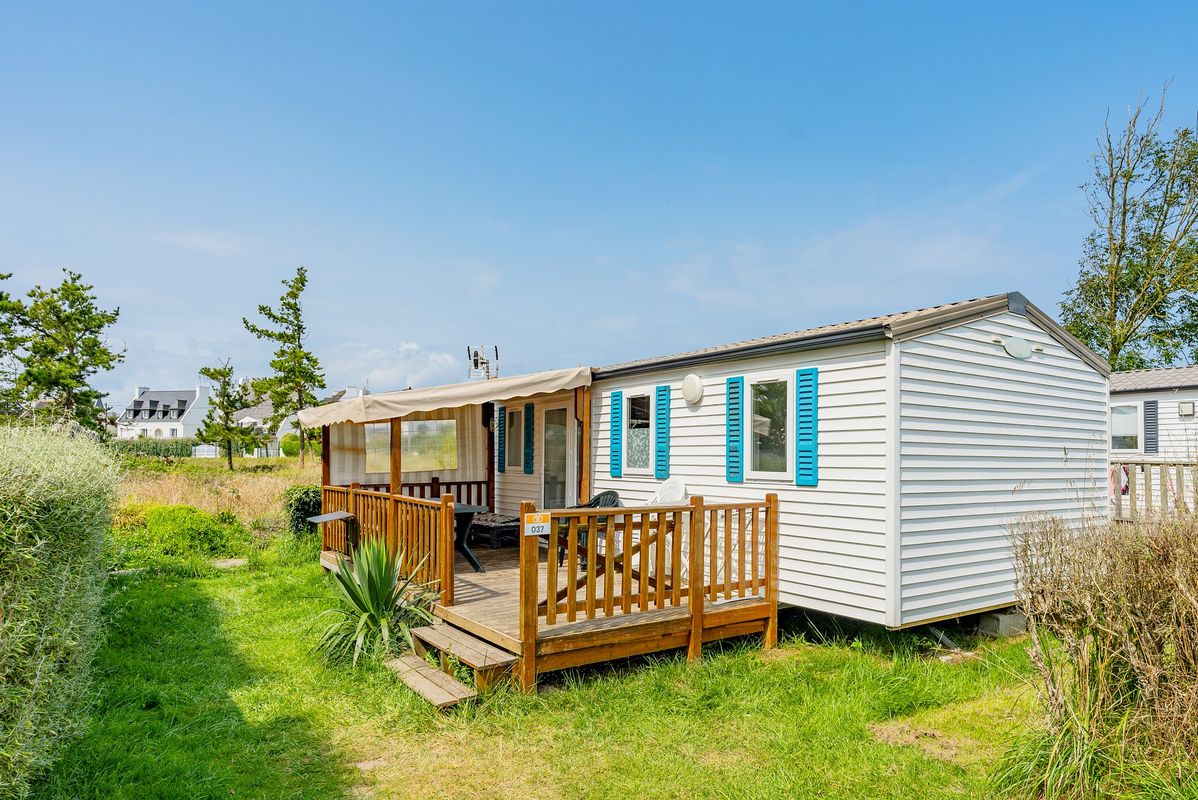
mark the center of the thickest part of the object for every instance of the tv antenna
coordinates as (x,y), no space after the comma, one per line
(482,362)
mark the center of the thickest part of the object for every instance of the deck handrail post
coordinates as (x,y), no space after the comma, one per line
(771,569)
(435,491)
(445,550)
(694,578)
(529,580)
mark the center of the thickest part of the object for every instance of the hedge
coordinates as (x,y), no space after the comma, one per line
(147,446)
(56,496)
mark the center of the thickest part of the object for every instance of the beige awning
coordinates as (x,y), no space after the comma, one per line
(379,407)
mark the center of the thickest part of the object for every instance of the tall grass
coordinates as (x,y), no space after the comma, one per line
(1113,621)
(253,492)
(55,502)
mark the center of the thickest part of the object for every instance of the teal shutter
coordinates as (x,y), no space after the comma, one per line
(807,427)
(661,433)
(530,419)
(501,438)
(734,409)
(616,432)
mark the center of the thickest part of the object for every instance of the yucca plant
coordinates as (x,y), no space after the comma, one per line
(379,606)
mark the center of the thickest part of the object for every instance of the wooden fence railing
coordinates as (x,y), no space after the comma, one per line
(420,530)
(470,493)
(334,535)
(1141,487)
(620,561)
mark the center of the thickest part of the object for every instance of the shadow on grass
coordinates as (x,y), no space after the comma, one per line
(165,723)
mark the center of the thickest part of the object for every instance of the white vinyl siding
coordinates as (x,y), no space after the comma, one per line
(1177,435)
(985,438)
(832,544)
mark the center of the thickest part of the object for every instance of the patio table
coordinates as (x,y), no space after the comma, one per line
(463,518)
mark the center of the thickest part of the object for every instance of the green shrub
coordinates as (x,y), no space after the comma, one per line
(299,503)
(379,607)
(289,444)
(56,496)
(177,539)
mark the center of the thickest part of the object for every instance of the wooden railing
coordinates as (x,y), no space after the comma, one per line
(621,561)
(470,493)
(334,535)
(419,530)
(1141,487)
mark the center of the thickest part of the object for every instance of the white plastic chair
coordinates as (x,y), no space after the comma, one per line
(672,492)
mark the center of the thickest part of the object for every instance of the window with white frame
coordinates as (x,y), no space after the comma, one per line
(770,423)
(1125,427)
(174,433)
(514,443)
(638,432)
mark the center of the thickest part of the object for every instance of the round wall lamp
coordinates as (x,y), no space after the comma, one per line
(1017,347)
(692,389)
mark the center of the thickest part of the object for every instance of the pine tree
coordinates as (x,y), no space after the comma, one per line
(57,336)
(297,373)
(220,426)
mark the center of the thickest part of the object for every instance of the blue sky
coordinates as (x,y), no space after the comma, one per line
(577,183)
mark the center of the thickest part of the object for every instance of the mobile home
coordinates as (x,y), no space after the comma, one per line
(1154,440)
(868,469)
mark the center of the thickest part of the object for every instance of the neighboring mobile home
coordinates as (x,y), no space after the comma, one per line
(1152,413)
(901,447)
(1154,440)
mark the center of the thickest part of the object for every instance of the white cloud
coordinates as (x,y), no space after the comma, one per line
(884,262)
(385,369)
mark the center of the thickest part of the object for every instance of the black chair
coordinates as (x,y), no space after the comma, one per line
(607,499)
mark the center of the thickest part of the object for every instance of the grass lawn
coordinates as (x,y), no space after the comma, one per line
(206,689)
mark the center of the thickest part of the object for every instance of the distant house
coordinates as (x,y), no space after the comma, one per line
(163,413)
(1153,414)
(257,418)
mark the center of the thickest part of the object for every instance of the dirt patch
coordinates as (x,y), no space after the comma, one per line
(366,766)
(969,733)
(932,743)
(229,563)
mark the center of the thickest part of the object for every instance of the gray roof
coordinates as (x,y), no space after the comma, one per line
(904,324)
(159,402)
(164,397)
(1140,380)
(259,412)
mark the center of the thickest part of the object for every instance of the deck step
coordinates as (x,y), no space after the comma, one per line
(429,682)
(470,650)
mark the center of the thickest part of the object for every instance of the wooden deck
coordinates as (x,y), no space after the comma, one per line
(487,605)
(632,581)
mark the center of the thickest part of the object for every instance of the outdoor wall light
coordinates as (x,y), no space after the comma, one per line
(692,389)
(1017,347)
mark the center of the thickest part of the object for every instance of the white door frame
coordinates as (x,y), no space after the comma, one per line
(571,456)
